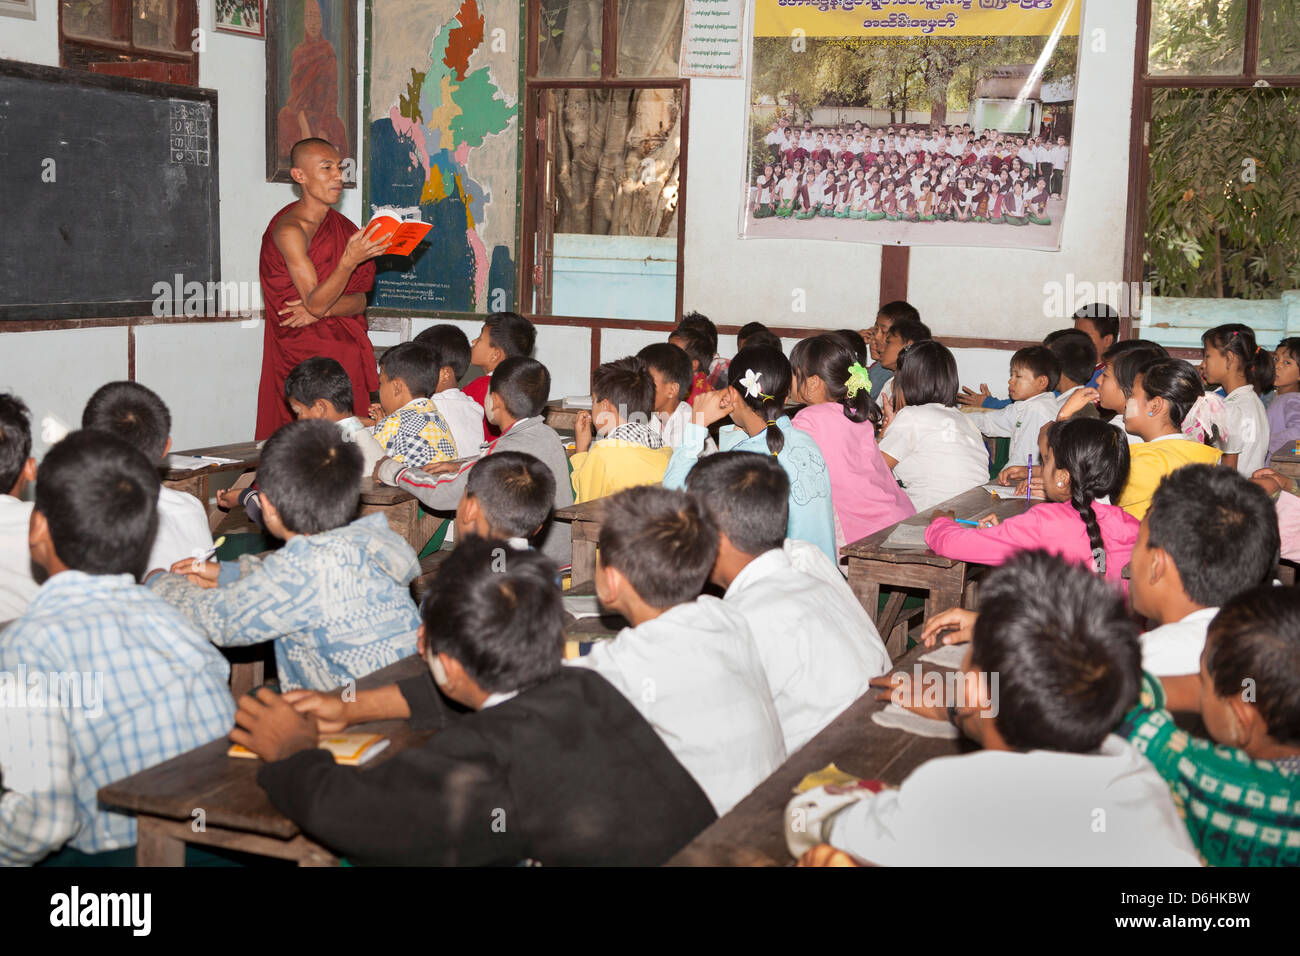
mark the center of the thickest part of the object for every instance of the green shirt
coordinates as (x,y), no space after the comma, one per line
(1238,810)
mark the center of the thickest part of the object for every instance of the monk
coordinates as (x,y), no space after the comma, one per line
(316,270)
(312,109)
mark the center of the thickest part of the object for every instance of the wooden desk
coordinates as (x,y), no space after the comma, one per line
(245,457)
(871,565)
(236,813)
(1286,462)
(585,520)
(753,833)
(560,418)
(401,509)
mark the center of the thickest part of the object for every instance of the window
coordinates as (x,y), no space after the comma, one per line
(147,39)
(605,169)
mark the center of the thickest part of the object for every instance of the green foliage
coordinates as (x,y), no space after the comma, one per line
(1211,231)
(1197,37)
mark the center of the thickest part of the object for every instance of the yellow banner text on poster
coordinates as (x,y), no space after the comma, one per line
(915,18)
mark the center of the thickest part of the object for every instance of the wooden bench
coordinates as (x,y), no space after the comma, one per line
(197,482)
(585,521)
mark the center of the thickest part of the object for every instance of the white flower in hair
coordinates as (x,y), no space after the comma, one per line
(751,382)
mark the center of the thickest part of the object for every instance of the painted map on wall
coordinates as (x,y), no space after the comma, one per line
(442,129)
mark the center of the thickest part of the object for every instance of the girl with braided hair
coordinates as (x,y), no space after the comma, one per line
(1085,464)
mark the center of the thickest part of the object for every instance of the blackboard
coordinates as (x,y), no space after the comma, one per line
(108,188)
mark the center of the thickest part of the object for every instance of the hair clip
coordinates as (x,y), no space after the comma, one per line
(858,380)
(771,421)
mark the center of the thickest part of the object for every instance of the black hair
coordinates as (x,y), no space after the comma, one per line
(99,495)
(1064,648)
(1095,453)
(1103,318)
(747,495)
(748,329)
(1039,360)
(515,491)
(909,330)
(1075,353)
(1256,635)
(311,473)
(774,374)
(415,365)
(133,413)
(1291,346)
(1218,528)
(503,621)
(1129,357)
(450,345)
(702,324)
(628,385)
(511,333)
(696,345)
(15,439)
(1239,340)
(828,357)
(523,384)
(927,374)
(319,377)
(855,343)
(898,311)
(672,363)
(1179,384)
(662,541)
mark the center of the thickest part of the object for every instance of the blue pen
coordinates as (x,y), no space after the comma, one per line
(968,523)
(1029,479)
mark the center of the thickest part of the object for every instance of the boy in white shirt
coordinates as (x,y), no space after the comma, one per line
(1034,373)
(689,664)
(17,470)
(464,415)
(1059,155)
(1077,358)
(817,644)
(1052,668)
(138,416)
(1209,535)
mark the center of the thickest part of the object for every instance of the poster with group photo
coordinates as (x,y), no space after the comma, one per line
(911,122)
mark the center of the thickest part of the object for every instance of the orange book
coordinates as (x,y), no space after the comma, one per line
(351,750)
(403,235)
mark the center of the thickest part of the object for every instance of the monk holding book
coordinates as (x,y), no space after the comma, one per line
(315,269)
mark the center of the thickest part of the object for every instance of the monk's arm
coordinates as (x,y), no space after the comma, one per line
(319,298)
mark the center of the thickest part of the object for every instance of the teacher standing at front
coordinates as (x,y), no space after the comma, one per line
(315,269)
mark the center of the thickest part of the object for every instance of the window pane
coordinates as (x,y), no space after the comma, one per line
(649,37)
(1223,204)
(1197,37)
(87,19)
(153,25)
(1279,37)
(570,38)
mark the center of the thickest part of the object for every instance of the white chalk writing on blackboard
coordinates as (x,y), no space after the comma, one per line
(188,131)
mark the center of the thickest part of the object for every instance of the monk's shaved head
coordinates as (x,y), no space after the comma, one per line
(305,147)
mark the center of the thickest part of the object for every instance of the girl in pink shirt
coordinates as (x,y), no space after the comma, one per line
(1085,463)
(841,417)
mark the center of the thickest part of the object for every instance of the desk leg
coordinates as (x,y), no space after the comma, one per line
(866,589)
(584,538)
(404,518)
(155,846)
(945,593)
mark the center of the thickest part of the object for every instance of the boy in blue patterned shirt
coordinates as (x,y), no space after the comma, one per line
(335,599)
(99,679)
(414,433)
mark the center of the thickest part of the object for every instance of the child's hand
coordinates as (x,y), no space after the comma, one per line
(826,855)
(1273,482)
(375,412)
(710,407)
(202,573)
(1035,487)
(953,626)
(973,399)
(990,520)
(1077,402)
(1012,474)
(887,412)
(328,710)
(898,688)
(440,467)
(582,431)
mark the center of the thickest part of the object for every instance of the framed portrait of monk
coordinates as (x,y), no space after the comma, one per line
(311,81)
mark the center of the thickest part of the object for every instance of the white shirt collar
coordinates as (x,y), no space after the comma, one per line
(498,698)
(766,565)
(1174,435)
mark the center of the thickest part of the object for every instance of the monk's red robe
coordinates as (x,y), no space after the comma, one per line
(342,338)
(313,90)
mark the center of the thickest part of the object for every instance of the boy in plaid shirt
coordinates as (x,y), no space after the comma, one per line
(99,679)
(414,431)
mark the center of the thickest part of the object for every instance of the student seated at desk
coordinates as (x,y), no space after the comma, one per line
(1077,358)
(902,334)
(627,451)
(759,381)
(504,335)
(515,405)
(139,684)
(818,646)
(690,664)
(671,370)
(1084,464)
(1209,535)
(1034,374)
(17,471)
(1065,656)
(551,764)
(138,416)
(1237,792)
(463,414)
(414,433)
(507,498)
(1284,491)
(335,599)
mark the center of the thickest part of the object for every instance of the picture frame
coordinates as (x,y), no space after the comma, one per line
(311,81)
(241,17)
(19,9)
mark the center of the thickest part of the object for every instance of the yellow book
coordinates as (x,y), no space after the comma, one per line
(350,750)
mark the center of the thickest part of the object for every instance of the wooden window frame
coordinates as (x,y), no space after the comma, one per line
(187,20)
(531,272)
(1143,85)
